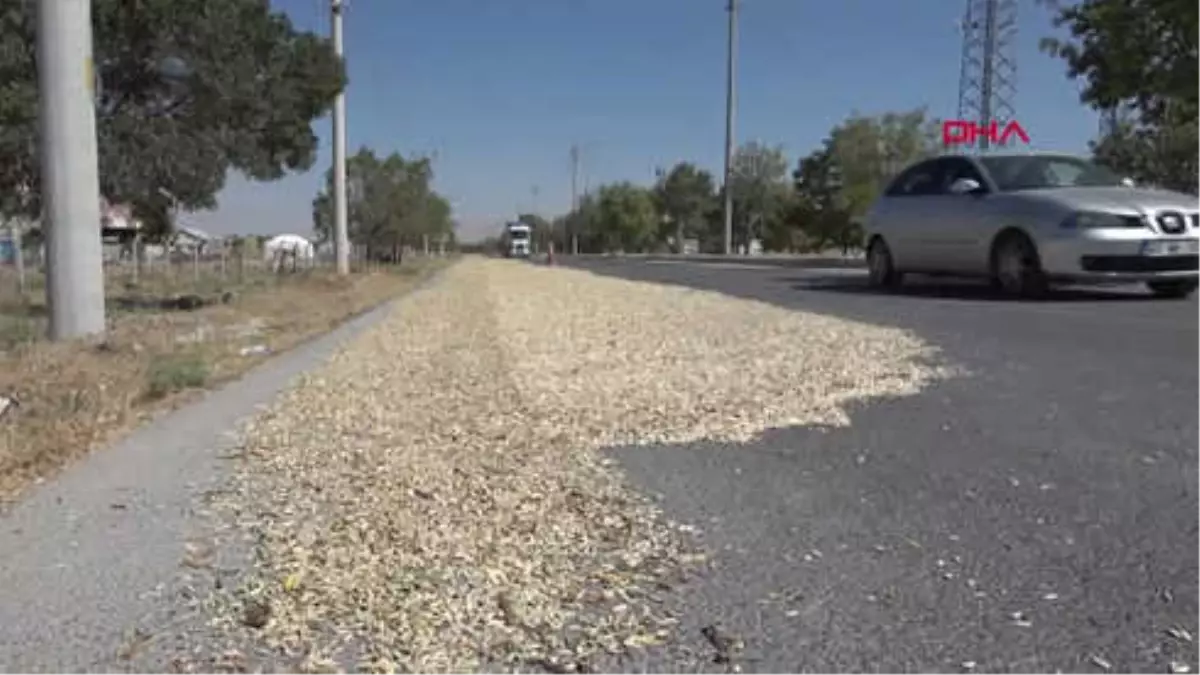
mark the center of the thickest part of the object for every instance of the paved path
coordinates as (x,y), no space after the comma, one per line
(1039,514)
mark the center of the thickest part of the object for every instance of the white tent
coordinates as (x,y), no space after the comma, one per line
(288,246)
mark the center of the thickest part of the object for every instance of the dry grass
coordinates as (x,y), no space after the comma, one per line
(434,498)
(73,397)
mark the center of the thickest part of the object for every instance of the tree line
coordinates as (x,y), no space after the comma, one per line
(813,204)
(1137,60)
(390,205)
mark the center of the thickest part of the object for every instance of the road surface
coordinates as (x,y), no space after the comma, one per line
(1038,514)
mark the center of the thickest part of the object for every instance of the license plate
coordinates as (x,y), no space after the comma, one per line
(1171,247)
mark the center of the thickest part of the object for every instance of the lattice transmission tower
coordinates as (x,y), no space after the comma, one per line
(987,85)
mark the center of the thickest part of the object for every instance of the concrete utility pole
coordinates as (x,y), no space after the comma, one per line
(730,95)
(341,237)
(70,175)
(574,197)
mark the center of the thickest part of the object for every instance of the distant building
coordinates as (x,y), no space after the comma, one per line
(193,240)
(117,221)
(118,230)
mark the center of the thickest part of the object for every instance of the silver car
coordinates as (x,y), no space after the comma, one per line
(1028,220)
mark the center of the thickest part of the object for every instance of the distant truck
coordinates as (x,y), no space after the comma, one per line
(517,240)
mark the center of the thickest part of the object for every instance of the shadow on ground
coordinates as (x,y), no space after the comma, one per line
(960,290)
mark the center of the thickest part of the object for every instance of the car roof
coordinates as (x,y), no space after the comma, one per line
(1009,153)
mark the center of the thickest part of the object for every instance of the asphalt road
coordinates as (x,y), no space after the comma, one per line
(1036,515)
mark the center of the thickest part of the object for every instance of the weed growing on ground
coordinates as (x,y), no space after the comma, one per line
(175,372)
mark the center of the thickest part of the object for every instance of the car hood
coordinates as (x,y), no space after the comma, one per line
(1116,199)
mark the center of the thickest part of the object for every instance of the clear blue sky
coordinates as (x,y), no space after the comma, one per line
(500,89)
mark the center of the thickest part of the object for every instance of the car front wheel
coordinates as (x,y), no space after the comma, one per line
(1016,267)
(1173,289)
(881,270)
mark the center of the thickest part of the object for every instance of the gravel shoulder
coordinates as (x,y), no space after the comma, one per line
(434,497)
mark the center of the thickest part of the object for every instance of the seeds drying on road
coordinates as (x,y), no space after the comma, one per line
(637,363)
(433,499)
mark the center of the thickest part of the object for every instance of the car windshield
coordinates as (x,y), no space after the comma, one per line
(1034,172)
(519,235)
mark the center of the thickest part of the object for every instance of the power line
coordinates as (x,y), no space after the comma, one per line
(70,176)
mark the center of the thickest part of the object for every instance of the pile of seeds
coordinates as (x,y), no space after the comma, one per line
(434,498)
(637,363)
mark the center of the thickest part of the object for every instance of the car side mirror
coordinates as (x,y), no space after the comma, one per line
(966,186)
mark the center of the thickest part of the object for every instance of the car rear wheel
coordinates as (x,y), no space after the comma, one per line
(1016,267)
(1173,289)
(881,270)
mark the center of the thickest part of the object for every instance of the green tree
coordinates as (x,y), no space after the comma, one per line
(820,210)
(869,150)
(1138,51)
(560,233)
(583,223)
(1160,154)
(188,89)
(438,224)
(758,182)
(625,218)
(684,195)
(1141,56)
(389,203)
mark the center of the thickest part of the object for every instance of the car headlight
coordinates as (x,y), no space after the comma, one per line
(1094,220)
